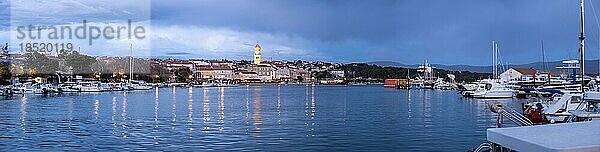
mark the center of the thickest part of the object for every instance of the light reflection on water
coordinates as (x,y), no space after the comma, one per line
(221,108)
(190,111)
(256,113)
(247,118)
(206,110)
(156,107)
(23,112)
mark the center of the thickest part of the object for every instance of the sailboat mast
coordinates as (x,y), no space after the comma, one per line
(581,47)
(130,62)
(493,59)
(408,74)
(496,61)
(545,66)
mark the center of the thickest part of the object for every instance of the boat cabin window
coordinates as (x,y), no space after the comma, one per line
(488,86)
(575,99)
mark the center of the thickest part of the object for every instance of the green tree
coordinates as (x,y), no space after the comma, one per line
(38,63)
(363,70)
(323,74)
(5,73)
(183,74)
(64,53)
(80,63)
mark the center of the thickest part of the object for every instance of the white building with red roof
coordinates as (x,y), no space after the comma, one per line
(516,74)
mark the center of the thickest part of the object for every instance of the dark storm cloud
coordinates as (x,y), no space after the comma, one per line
(328,20)
(442,31)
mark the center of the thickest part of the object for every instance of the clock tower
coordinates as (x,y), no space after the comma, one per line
(257,55)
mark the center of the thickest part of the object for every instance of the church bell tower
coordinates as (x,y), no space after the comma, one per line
(257,55)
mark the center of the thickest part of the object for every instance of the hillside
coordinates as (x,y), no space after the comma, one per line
(591,66)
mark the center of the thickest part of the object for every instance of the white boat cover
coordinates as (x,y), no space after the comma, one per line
(579,136)
(560,104)
(592,95)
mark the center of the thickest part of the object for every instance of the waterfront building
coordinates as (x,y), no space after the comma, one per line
(282,73)
(215,72)
(197,62)
(257,54)
(178,64)
(337,73)
(246,76)
(265,72)
(221,63)
(516,74)
(300,74)
(222,73)
(204,72)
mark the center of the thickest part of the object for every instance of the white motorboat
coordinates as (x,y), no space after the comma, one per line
(226,85)
(205,85)
(23,88)
(117,87)
(469,86)
(68,87)
(6,91)
(43,88)
(88,87)
(138,85)
(559,108)
(492,89)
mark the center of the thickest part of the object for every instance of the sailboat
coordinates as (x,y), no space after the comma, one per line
(135,84)
(424,81)
(492,88)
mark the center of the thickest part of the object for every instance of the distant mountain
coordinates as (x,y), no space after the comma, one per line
(590,65)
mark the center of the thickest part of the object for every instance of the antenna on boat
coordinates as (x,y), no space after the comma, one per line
(582,48)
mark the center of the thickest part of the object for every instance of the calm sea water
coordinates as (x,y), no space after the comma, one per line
(269,118)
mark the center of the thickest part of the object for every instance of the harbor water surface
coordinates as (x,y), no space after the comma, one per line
(247,118)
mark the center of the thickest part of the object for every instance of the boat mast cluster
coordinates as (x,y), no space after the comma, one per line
(581,47)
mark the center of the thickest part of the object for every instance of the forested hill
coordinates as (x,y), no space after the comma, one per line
(364,70)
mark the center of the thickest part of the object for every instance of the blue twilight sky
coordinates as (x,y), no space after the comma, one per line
(406,31)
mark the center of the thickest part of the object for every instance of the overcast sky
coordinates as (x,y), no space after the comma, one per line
(411,31)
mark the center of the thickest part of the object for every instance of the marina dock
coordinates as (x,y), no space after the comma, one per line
(579,136)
